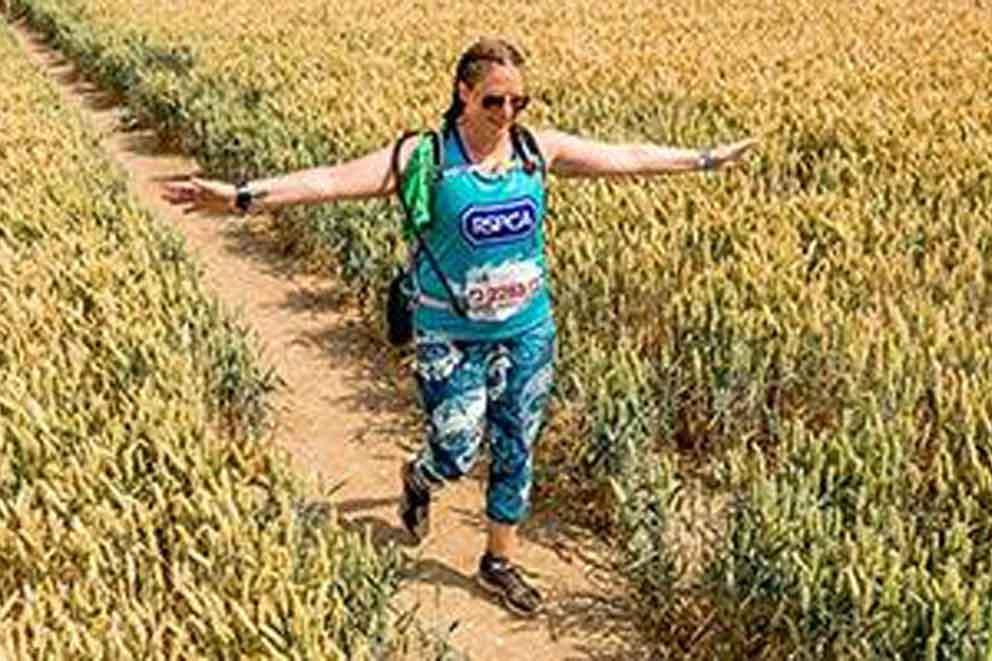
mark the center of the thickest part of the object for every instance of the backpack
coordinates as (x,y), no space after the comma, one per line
(414,191)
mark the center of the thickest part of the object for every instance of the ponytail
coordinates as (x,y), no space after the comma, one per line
(453,112)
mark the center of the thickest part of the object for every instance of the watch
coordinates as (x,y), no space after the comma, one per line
(243,197)
(706,160)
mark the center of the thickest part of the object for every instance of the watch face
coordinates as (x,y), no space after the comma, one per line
(243,199)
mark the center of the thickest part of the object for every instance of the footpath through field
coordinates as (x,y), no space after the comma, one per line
(347,414)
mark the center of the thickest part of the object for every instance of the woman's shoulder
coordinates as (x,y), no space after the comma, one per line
(546,141)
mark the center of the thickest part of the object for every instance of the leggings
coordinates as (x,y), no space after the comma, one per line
(471,387)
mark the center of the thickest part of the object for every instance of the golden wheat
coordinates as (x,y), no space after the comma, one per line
(127,528)
(815,328)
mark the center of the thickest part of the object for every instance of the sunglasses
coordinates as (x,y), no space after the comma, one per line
(493,101)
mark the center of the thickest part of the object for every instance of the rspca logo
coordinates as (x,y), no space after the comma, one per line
(499,223)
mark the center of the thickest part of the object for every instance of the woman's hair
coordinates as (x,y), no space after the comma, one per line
(473,66)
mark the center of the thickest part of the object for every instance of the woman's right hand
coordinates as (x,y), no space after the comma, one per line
(202,195)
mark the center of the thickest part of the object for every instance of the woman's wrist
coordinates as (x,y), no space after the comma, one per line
(706,160)
(248,197)
(244,197)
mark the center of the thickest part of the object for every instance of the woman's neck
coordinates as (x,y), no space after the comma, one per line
(481,144)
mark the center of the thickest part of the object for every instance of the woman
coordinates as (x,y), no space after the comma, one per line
(487,368)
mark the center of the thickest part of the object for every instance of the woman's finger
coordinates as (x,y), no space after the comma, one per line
(202,195)
(733,152)
(180,192)
(198,206)
(218,189)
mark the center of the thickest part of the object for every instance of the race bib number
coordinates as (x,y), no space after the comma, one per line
(497,293)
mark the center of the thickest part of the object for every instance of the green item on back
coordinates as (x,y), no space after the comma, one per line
(416,188)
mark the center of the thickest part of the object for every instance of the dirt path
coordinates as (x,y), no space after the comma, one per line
(340,417)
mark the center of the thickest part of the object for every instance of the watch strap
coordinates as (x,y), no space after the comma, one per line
(243,197)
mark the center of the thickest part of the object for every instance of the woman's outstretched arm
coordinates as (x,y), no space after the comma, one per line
(364,177)
(572,156)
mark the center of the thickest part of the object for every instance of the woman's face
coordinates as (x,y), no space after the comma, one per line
(495,101)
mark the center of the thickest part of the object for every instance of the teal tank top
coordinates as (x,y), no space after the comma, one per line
(487,233)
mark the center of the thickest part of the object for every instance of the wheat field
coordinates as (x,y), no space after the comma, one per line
(806,339)
(140,515)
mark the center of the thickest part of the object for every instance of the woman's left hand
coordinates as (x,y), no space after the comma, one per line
(729,155)
(202,195)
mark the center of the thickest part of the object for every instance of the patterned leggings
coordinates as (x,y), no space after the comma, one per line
(468,388)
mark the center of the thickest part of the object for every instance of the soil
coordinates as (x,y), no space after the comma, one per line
(346,415)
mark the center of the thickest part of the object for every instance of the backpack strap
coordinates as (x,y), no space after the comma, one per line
(437,147)
(394,164)
(437,142)
(456,304)
(525,145)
